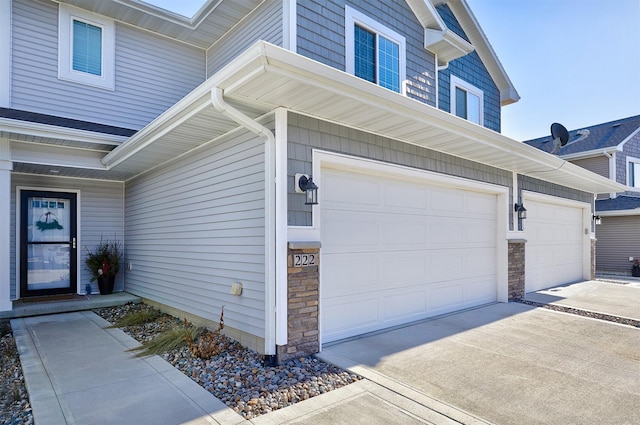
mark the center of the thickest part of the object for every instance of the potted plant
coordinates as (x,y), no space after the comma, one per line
(635,269)
(104,263)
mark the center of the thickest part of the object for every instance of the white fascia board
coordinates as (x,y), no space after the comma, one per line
(426,14)
(592,153)
(56,156)
(56,132)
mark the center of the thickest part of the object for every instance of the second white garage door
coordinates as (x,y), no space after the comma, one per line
(394,251)
(554,251)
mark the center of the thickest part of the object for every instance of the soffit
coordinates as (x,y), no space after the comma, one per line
(211,22)
(266,77)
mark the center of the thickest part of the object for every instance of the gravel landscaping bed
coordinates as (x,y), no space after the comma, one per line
(237,376)
(14,400)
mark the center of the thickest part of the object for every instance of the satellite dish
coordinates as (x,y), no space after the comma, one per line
(560,136)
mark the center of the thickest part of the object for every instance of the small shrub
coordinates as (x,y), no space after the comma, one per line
(136,318)
(168,340)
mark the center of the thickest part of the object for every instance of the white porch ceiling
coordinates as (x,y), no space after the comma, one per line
(266,77)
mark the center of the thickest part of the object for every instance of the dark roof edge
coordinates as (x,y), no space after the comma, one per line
(39,118)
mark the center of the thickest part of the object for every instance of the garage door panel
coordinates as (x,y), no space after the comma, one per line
(358,191)
(479,232)
(407,266)
(404,305)
(402,197)
(349,273)
(404,231)
(444,298)
(344,231)
(360,314)
(482,206)
(433,252)
(447,232)
(554,250)
(445,201)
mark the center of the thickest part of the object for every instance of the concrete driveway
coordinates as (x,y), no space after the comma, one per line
(509,364)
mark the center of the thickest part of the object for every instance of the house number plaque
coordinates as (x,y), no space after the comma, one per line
(304,260)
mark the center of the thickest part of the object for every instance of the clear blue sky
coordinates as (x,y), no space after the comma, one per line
(576,62)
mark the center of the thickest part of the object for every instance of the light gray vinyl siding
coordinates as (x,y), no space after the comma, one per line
(197,225)
(264,23)
(100,214)
(306,133)
(151,74)
(618,238)
(321,36)
(544,187)
(631,148)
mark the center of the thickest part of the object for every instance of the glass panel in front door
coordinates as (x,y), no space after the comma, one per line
(49,245)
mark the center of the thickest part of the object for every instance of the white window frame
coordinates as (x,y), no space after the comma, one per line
(66,16)
(353,17)
(632,160)
(470,88)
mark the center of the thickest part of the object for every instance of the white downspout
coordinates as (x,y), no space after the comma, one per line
(612,170)
(218,102)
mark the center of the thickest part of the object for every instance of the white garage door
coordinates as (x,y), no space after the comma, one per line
(554,249)
(394,251)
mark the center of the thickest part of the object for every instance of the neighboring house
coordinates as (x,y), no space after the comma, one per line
(183,138)
(612,150)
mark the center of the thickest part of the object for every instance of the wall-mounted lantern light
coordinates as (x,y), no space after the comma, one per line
(521,210)
(304,183)
(597,220)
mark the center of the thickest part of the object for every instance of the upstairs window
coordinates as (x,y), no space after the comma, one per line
(466,101)
(374,52)
(633,172)
(86,49)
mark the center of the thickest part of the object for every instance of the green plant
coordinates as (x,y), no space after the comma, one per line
(104,260)
(168,340)
(136,318)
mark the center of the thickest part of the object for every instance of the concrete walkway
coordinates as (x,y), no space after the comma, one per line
(79,373)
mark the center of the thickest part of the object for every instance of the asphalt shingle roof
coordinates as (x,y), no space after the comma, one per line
(618,203)
(600,136)
(20,115)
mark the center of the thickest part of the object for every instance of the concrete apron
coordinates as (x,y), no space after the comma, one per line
(509,364)
(616,299)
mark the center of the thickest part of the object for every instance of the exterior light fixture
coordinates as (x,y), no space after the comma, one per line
(521,210)
(597,220)
(304,183)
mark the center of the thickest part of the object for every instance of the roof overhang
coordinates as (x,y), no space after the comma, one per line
(266,77)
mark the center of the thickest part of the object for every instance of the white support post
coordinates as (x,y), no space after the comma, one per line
(5,231)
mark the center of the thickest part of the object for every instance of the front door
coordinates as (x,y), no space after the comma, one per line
(48,258)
